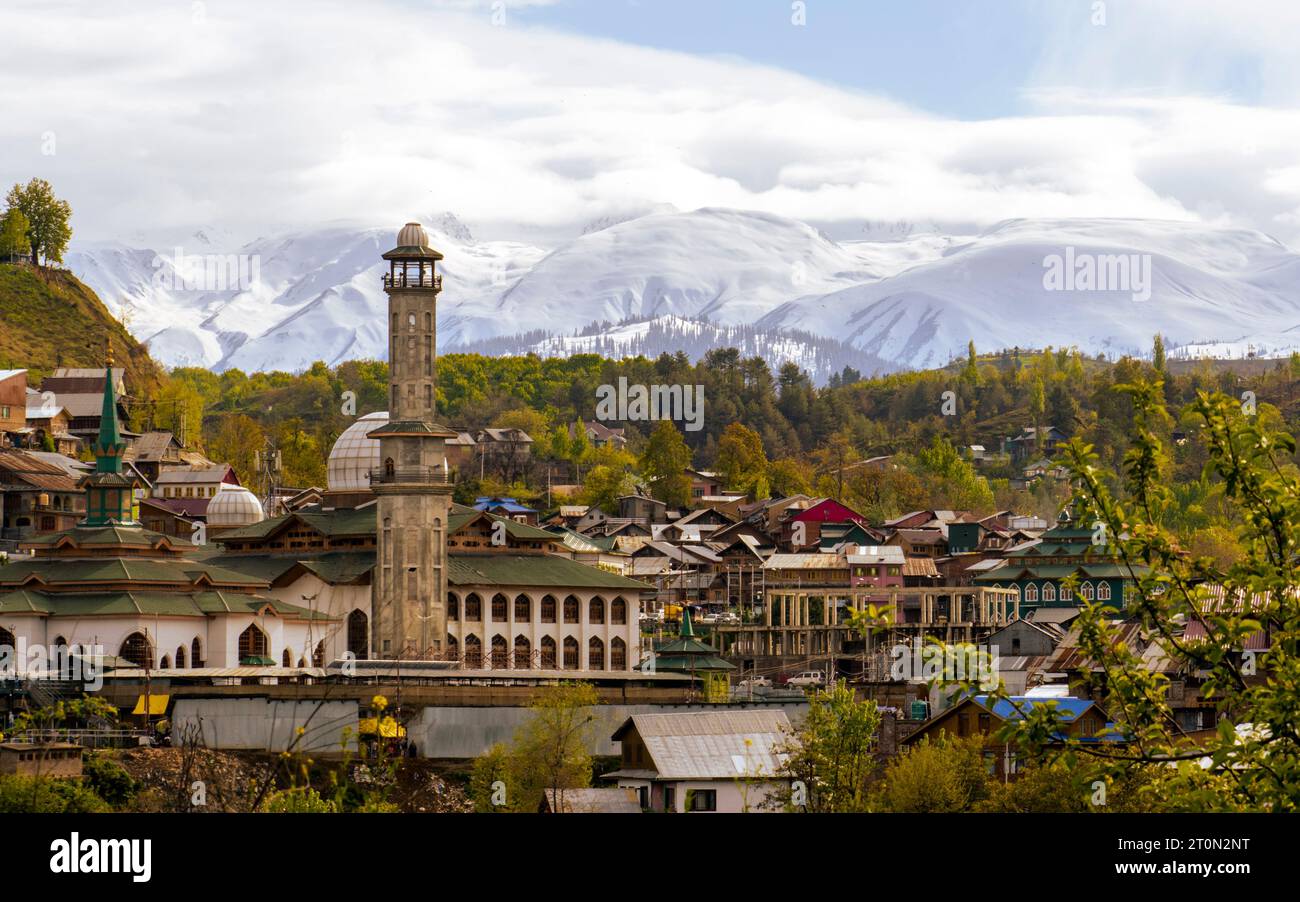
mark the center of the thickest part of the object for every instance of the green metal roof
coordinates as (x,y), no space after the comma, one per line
(497,569)
(168,604)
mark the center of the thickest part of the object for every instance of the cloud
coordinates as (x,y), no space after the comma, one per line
(256,116)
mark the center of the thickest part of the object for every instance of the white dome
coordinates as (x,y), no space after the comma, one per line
(412,235)
(354,456)
(234,505)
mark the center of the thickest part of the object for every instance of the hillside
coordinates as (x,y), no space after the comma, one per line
(50,319)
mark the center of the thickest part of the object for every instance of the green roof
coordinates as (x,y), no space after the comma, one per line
(498,569)
(175,571)
(173,604)
(129,536)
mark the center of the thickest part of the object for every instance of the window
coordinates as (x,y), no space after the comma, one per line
(617,654)
(523,608)
(595,654)
(180,657)
(596,610)
(548,609)
(1031,592)
(1103,591)
(1066,593)
(701,800)
(359,634)
(548,653)
(473,652)
(570,653)
(252,644)
(473,607)
(286,659)
(1085,591)
(166,663)
(523,653)
(670,798)
(500,604)
(453,648)
(196,653)
(135,648)
(618,611)
(453,606)
(500,653)
(570,610)
(1049,592)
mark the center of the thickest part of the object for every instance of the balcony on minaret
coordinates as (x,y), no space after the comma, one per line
(412,265)
(409,476)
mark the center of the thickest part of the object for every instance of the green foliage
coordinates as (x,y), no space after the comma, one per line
(46,795)
(48,231)
(14,227)
(548,752)
(831,758)
(663,461)
(741,461)
(108,779)
(299,800)
(946,775)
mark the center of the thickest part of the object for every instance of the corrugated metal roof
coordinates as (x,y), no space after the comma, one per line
(713,745)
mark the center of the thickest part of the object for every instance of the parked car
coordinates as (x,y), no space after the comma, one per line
(754,683)
(807,678)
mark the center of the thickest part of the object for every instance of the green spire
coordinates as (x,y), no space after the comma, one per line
(109,445)
(686,632)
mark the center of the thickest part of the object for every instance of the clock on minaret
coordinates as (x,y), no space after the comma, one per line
(412,482)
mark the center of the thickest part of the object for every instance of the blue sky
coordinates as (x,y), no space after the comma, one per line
(967,59)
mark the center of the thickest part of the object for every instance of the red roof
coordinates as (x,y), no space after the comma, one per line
(829,511)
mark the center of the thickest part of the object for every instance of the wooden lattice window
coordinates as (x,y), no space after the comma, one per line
(596,610)
(252,644)
(595,654)
(570,653)
(523,653)
(570,610)
(618,611)
(136,649)
(548,609)
(548,653)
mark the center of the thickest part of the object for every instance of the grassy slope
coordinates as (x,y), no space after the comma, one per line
(49,319)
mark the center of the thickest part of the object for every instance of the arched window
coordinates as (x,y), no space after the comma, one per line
(359,634)
(180,657)
(570,653)
(453,648)
(1049,592)
(318,656)
(548,653)
(453,606)
(595,654)
(596,610)
(196,653)
(523,608)
(166,663)
(1103,591)
(473,607)
(473,652)
(500,606)
(570,610)
(390,469)
(1066,593)
(286,659)
(1085,591)
(302,662)
(548,609)
(252,644)
(60,642)
(136,649)
(523,653)
(500,652)
(1031,592)
(617,654)
(618,611)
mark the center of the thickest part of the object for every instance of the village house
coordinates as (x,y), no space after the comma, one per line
(703,762)
(13,407)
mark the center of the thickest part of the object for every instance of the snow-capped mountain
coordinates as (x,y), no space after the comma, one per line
(668,280)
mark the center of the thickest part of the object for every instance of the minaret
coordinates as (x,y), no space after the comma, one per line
(110,494)
(412,484)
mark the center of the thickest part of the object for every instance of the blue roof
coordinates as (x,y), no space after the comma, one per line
(507,504)
(1067,709)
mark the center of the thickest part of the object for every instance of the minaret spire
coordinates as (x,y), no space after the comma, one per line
(110,494)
